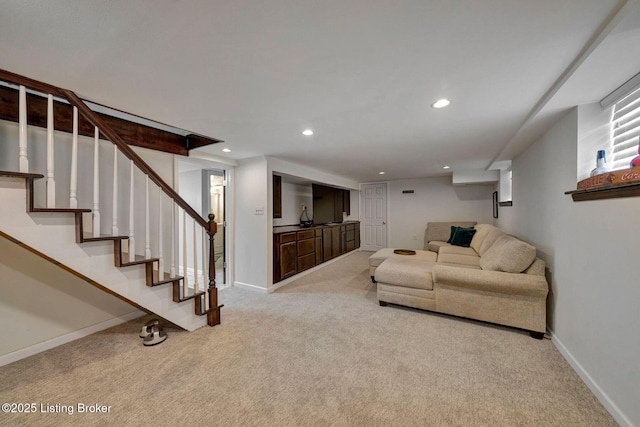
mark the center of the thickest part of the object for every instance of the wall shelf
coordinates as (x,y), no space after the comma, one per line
(628,190)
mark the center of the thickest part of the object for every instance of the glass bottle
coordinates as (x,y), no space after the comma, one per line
(635,162)
(601,163)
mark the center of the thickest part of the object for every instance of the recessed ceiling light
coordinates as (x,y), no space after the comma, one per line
(380,173)
(307,132)
(441,103)
(226,150)
(446,167)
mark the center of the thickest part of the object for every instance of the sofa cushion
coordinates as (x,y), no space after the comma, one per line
(459,259)
(481,232)
(489,240)
(508,254)
(462,236)
(410,273)
(435,245)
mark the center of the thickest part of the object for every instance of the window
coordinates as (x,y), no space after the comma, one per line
(625,124)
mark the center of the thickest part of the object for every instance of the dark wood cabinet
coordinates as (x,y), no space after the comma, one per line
(306,249)
(326,244)
(285,258)
(329,203)
(338,204)
(346,201)
(301,249)
(318,246)
(277,196)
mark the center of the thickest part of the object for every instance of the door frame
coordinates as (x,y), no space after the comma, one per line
(229,207)
(360,207)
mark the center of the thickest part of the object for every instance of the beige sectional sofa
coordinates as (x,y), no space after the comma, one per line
(497,279)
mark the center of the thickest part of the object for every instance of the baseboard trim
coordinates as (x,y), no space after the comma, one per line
(250,287)
(606,401)
(66,338)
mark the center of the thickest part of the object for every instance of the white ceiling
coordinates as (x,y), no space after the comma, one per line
(361,73)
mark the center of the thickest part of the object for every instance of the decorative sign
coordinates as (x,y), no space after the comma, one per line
(611,179)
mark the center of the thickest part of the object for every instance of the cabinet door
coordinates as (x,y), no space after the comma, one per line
(346,201)
(319,250)
(338,207)
(288,259)
(277,196)
(326,244)
(306,262)
(335,242)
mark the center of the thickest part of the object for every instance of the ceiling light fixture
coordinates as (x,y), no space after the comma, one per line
(441,103)
(380,173)
(226,150)
(446,167)
(307,132)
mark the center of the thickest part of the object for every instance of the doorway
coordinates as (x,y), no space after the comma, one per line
(214,185)
(374,216)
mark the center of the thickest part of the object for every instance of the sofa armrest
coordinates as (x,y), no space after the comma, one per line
(491,281)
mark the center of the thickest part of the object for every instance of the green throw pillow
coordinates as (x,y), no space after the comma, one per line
(463,236)
(453,233)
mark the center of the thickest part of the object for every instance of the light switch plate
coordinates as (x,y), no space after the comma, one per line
(259,210)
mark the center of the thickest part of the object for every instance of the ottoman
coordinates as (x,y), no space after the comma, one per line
(407,282)
(377,258)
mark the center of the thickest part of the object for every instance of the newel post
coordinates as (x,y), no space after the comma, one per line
(213,314)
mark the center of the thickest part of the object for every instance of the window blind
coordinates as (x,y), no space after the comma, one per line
(625,124)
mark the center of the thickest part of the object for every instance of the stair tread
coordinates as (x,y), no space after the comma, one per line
(138,259)
(64,210)
(10,174)
(88,237)
(166,278)
(191,294)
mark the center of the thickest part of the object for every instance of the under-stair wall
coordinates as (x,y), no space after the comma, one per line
(43,306)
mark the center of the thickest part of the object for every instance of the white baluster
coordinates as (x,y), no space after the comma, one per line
(196,285)
(132,226)
(160,239)
(51,182)
(73,186)
(147,229)
(96,182)
(185,281)
(172,272)
(22,119)
(114,226)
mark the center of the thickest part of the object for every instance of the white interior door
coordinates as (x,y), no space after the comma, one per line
(374,217)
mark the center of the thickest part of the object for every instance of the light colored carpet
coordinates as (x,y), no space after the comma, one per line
(318,352)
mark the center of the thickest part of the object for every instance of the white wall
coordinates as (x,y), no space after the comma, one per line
(434,199)
(591,250)
(294,169)
(293,196)
(252,232)
(40,302)
(190,188)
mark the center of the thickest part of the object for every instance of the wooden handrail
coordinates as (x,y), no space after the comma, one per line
(108,132)
(130,154)
(30,83)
